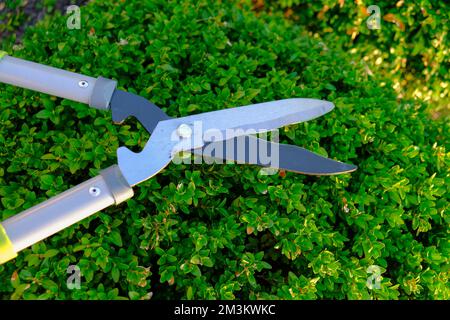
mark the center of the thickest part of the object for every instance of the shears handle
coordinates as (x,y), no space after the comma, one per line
(49,217)
(96,92)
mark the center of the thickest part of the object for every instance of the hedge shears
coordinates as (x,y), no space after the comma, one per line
(228,134)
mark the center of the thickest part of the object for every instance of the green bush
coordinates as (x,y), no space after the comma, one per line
(16,15)
(223,231)
(411,47)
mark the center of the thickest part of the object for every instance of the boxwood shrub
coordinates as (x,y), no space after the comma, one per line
(410,47)
(225,231)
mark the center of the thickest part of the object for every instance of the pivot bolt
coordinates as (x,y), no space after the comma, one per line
(184,131)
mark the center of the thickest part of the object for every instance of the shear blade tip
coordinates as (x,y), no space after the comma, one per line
(327,105)
(350,167)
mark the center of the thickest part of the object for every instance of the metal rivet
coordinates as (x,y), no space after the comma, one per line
(83,84)
(184,131)
(94,191)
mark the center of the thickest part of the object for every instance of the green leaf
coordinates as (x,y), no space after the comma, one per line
(115,274)
(43,114)
(189,293)
(51,253)
(116,238)
(134,295)
(196,259)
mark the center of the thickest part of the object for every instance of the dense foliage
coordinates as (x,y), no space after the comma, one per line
(410,47)
(224,231)
(17,15)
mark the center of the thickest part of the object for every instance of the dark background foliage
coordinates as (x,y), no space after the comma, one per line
(17,15)
(410,48)
(225,231)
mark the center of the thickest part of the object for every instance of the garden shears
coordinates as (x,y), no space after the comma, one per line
(228,134)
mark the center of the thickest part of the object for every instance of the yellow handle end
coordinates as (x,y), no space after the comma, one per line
(6,248)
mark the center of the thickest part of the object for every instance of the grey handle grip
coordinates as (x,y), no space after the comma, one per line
(61,211)
(96,93)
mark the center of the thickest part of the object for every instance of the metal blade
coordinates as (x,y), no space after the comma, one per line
(258,117)
(273,155)
(125,104)
(167,142)
(137,167)
(261,116)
